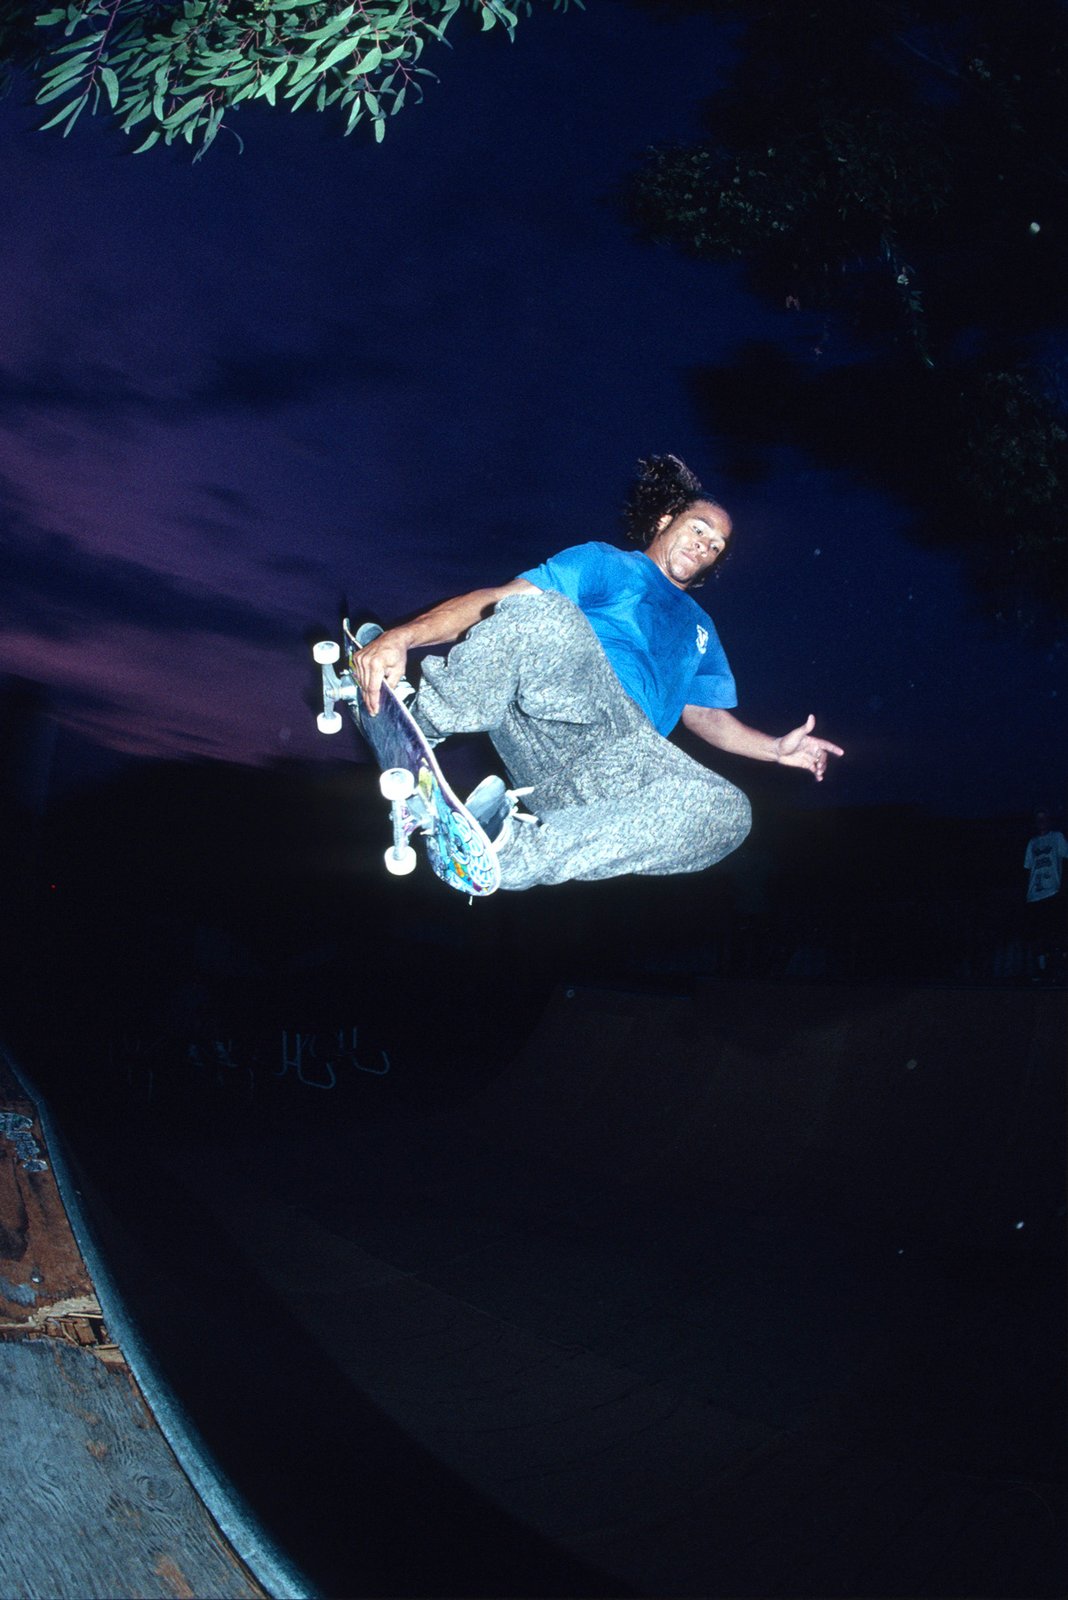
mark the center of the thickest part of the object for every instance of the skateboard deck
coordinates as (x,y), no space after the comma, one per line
(420,798)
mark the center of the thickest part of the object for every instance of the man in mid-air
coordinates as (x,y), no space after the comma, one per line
(578,670)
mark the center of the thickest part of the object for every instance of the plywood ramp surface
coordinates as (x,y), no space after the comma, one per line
(95,1502)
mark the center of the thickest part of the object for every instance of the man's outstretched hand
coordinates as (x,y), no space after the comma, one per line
(801,748)
(383,660)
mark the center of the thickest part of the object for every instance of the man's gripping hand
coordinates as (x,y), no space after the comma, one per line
(381,661)
(802,749)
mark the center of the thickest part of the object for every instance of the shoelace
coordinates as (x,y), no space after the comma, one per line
(513,796)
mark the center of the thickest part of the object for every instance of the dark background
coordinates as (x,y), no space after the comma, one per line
(239,396)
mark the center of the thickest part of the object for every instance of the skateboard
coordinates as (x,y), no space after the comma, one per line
(421,800)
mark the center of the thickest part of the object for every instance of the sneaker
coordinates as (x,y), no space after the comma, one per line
(488,804)
(494,806)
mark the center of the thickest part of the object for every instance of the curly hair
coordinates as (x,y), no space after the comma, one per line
(664,486)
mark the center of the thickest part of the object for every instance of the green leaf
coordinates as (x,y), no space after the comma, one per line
(48,19)
(370,62)
(366,64)
(302,96)
(234,80)
(211,128)
(138,111)
(59,77)
(335,25)
(111,83)
(270,84)
(86,42)
(304,68)
(54,91)
(184,112)
(57,118)
(148,143)
(76,112)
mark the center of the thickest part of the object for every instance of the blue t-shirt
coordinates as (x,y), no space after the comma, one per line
(660,642)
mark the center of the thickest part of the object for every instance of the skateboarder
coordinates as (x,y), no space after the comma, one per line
(577,670)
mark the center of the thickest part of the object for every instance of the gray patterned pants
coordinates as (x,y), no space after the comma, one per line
(611,795)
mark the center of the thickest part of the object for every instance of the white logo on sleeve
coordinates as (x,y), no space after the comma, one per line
(702,639)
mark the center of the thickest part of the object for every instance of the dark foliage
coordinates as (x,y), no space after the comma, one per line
(892,177)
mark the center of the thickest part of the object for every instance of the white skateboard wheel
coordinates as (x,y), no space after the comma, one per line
(396,783)
(328,722)
(325,652)
(400,864)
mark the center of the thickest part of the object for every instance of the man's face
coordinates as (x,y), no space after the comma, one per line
(686,546)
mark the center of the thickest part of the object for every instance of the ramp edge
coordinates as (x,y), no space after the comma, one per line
(268,1563)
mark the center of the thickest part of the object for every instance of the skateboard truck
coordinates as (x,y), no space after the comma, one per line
(396,784)
(335,688)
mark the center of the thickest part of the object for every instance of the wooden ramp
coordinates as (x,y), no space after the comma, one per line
(95,1502)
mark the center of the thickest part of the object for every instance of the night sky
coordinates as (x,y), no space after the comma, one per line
(237,393)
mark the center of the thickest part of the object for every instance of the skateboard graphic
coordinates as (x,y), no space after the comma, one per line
(413,783)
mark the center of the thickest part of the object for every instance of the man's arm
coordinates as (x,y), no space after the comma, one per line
(385,657)
(800,748)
